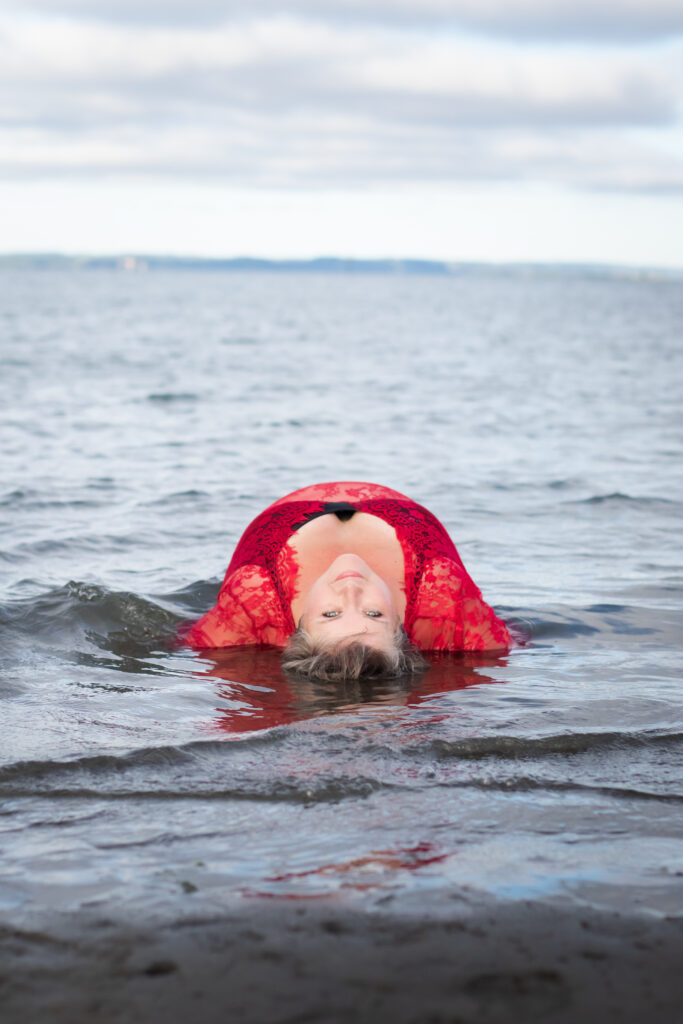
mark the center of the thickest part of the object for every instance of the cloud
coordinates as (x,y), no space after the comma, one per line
(281,65)
(347,158)
(597,20)
(292,102)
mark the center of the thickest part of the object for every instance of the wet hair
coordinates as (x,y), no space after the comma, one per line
(350,658)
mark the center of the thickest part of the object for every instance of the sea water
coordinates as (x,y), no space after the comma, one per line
(147,418)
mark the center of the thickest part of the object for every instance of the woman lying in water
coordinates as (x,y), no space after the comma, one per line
(352,580)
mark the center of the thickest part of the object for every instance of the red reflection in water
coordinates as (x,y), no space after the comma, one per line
(402,858)
(255,694)
(407,857)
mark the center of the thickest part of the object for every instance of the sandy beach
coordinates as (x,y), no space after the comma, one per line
(289,961)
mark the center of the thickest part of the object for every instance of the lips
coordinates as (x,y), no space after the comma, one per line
(348,574)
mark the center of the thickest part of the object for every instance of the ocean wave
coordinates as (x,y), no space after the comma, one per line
(190,497)
(81,601)
(323,789)
(26,499)
(514,747)
(201,760)
(269,790)
(190,772)
(173,396)
(194,598)
(620,498)
(530,628)
(146,757)
(530,784)
(595,620)
(94,542)
(104,616)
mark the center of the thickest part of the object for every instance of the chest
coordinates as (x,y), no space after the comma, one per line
(316,544)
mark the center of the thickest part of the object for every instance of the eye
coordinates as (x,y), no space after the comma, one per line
(330,615)
(374,615)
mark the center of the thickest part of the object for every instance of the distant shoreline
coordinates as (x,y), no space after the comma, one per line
(141,263)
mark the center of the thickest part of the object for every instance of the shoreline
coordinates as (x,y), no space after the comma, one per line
(292,960)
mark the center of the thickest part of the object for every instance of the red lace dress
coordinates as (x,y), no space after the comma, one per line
(444,608)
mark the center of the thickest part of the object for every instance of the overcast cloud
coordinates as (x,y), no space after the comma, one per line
(324,93)
(579,19)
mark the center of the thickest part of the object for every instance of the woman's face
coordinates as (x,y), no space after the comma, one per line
(350,601)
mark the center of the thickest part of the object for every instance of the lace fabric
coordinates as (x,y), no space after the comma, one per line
(444,608)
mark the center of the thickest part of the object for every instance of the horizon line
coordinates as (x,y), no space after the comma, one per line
(140,261)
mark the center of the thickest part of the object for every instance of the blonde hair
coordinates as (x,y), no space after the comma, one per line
(351,658)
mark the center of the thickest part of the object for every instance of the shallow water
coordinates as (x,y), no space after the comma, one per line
(147,418)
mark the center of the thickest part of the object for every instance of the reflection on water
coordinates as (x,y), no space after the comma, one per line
(255,693)
(361,874)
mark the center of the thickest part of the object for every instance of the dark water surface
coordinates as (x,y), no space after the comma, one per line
(145,420)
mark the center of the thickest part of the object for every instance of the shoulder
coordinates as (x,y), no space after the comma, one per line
(248,611)
(449,612)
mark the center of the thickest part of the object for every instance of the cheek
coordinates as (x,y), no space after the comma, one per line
(312,601)
(387,604)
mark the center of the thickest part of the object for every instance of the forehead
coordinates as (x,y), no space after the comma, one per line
(380,637)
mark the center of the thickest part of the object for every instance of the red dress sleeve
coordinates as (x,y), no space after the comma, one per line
(248,611)
(449,613)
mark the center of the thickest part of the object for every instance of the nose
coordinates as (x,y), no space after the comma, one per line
(349,589)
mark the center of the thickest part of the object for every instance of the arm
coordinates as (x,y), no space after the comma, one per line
(248,611)
(451,615)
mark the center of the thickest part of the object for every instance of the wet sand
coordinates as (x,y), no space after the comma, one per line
(290,961)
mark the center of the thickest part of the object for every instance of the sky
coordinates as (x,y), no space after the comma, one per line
(496,130)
